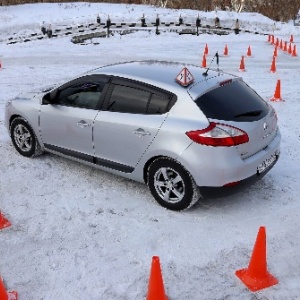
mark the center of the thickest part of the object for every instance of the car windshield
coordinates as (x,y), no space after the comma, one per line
(235,101)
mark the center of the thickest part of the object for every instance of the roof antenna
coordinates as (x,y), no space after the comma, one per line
(217,56)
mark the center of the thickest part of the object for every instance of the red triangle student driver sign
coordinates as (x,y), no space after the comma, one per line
(185,77)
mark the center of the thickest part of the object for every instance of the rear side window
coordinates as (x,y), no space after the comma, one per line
(138,100)
(158,104)
(128,100)
(235,101)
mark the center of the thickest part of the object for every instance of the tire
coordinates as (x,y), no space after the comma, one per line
(24,138)
(172,185)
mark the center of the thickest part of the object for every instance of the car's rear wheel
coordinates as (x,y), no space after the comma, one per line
(24,138)
(172,185)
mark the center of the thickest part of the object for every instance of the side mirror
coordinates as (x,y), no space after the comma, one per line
(50,98)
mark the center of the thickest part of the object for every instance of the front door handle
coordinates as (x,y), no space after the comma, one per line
(141,132)
(83,124)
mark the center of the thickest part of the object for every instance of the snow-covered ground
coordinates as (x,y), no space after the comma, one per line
(80,233)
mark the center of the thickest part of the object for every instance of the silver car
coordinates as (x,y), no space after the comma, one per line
(185,131)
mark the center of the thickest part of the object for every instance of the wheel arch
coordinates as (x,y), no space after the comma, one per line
(186,191)
(39,147)
(12,117)
(36,132)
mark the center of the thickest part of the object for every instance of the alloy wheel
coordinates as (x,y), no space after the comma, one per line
(169,185)
(23,138)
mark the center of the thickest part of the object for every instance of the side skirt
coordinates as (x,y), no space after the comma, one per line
(89,159)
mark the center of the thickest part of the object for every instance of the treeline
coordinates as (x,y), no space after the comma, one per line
(278,10)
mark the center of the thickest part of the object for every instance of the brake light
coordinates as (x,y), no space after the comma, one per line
(231,184)
(222,83)
(219,135)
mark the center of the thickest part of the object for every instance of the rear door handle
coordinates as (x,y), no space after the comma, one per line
(141,132)
(83,124)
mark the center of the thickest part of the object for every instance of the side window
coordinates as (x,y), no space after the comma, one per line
(139,100)
(158,105)
(128,100)
(82,95)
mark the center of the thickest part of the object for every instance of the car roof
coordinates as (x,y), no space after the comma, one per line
(163,74)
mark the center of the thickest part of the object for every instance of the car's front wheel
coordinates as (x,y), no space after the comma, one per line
(23,138)
(172,185)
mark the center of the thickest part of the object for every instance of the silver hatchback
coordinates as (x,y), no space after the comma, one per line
(184,131)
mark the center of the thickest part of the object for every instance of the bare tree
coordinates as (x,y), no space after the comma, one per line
(278,10)
(237,5)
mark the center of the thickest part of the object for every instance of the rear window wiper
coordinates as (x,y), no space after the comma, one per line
(253,113)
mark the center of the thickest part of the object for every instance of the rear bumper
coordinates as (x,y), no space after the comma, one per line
(225,191)
(217,166)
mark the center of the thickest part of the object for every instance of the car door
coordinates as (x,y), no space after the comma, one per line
(66,121)
(129,122)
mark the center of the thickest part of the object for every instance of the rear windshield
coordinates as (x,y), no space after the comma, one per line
(235,101)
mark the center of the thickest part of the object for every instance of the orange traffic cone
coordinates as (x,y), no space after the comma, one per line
(291,39)
(249,51)
(272,39)
(273,65)
(225,50)
(275,51)
(269,38)
(280,44)
(206,50)
(256,276)
(4,295)
(203,61)
(277,94)
(3,222)
(290,49)
(242,65)
(294,53)
(285,46)
(277,42)
(156,289)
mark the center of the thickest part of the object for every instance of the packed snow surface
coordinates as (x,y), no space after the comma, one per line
(80,233)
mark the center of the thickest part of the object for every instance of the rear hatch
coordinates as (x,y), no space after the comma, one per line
(232,102)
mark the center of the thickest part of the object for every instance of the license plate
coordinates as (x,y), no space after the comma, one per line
(266,163)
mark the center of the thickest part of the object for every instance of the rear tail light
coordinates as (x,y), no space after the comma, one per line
(219,135)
